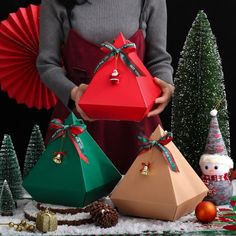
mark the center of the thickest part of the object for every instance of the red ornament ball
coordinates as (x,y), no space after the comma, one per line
(206,211)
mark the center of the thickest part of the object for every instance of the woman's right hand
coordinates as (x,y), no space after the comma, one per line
(76,94)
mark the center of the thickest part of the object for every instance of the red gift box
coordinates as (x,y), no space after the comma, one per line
(122,88)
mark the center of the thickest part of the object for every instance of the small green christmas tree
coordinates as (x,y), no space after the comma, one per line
(7,204)
(199,88)
(34,150)
(9,167)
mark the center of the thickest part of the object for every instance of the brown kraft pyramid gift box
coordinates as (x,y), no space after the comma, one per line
(154,187)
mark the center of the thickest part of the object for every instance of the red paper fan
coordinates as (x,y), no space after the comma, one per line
(19,45)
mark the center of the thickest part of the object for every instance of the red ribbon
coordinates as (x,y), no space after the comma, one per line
(71,130)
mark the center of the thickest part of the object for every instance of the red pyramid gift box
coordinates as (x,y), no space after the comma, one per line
(122,88)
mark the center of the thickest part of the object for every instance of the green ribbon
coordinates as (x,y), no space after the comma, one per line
(160,144)
(118,51)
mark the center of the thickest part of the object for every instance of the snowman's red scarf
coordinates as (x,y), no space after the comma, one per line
(207,178)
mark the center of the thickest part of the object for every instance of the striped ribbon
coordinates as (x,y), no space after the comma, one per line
(160,144)
(118,52)
(72,131)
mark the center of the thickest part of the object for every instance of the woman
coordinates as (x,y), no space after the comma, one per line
(72,30)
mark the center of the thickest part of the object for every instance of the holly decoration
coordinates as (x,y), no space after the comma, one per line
(9,167)
(34,150)
(7,204)
(206,211)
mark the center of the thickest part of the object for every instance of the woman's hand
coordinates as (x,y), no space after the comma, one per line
(164,99)
(76,94)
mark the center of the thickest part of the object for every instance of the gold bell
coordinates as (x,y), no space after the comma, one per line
(145,170)
(57,158)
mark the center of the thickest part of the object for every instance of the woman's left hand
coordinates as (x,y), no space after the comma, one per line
(164,99)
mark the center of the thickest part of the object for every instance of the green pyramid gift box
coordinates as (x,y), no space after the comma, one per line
(73,170)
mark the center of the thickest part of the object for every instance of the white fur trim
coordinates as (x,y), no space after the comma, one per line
(213,112)
(218,159)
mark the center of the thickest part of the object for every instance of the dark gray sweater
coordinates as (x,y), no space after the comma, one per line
(101,21)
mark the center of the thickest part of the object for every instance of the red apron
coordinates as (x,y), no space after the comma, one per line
(118,139)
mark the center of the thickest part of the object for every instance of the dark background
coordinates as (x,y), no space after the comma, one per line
(18,120)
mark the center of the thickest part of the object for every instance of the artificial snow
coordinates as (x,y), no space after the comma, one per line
(126,225)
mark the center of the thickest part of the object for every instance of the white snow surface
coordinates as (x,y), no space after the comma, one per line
(126,225)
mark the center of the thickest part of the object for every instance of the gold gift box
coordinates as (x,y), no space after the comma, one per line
(151,189)
(46,221)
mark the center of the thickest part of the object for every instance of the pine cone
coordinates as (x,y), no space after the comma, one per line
(103,215)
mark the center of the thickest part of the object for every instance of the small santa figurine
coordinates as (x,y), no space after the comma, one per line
(215,165)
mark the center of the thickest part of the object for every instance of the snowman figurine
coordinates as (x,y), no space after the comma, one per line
(215,165)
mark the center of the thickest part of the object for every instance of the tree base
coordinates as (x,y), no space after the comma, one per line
(7,214)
